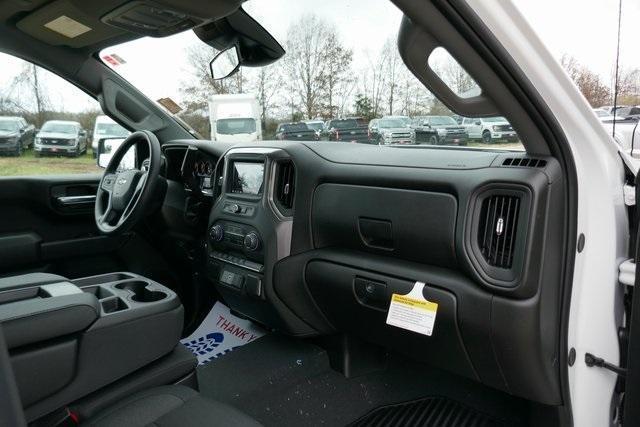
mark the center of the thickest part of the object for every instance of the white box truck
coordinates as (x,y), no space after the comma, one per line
(235,118)
(105,127)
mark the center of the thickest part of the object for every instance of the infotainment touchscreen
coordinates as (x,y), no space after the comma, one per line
(246,178)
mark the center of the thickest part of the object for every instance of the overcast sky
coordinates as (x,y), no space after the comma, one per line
(584,29)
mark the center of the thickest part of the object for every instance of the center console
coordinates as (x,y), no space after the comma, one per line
(77,336)
(249,231)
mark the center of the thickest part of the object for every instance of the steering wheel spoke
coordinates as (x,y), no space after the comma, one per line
(108,215)
(135,197)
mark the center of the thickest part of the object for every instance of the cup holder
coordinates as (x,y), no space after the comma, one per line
(140,291)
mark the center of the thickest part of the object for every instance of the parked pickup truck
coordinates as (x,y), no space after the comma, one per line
(15,135)
(61,137)
(439,130)
(390,130)
(347,130)
(490,129)
(295,132)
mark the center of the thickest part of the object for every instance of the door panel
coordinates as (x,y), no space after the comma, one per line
(47,224)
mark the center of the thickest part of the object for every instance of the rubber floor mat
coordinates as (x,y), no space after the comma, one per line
(430,412)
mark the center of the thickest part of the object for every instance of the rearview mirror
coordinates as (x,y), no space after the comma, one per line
(108,146)
(242,37)
(225,64)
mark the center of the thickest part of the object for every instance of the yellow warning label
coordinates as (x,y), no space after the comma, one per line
(412,311)
(413,302)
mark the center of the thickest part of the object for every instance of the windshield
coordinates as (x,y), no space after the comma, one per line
(344,124)
(442,121)
(494,119)
(391,123)
(235,126)
(59,128)
(341,66)
(8,125)
(111,129)
(315,125)
(294,127)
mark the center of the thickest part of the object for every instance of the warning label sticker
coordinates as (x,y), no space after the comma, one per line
(412,311)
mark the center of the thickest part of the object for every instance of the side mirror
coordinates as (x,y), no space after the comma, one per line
(478,123)
(225,64)
(108,146)
(83,133)
(22,130)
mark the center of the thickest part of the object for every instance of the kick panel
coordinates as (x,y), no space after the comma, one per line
(356,301)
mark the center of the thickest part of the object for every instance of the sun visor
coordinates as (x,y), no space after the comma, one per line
(63,22)
(77,23)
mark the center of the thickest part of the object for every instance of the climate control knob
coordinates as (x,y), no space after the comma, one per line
(216,233)
(251,241)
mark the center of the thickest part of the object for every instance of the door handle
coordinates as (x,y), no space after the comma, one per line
(76,201)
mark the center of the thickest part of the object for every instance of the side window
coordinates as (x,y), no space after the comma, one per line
(46,123)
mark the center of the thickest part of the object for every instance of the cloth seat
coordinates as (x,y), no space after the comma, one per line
(169,406)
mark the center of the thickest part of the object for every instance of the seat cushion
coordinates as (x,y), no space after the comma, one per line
(170,406)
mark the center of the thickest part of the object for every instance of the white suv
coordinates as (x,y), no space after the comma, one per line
(490,129)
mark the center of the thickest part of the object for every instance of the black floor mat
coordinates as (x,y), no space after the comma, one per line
(429,412)
(281,381)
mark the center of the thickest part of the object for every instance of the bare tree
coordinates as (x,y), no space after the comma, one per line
(589,83)
(374,81)
(335,73)
(304,62)
(316,63)
(629,86)
(391,65)
(28,93)
(266,83)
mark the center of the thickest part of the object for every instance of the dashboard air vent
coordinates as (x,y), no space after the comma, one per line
(524,162)
(497,231)
(285,184)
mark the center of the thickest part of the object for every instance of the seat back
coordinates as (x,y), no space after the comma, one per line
(11,413)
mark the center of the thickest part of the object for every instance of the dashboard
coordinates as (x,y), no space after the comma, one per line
(312,239)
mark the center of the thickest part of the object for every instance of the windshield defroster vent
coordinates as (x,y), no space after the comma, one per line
(285,186)
(497,230)
(524,162)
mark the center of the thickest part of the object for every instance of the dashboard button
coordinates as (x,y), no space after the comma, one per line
(216,233)
(253,286)
(232,279)
(251,241)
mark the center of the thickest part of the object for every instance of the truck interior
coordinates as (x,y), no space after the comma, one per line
(103,275)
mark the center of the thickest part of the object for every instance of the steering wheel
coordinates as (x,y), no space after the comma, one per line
(123,196)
